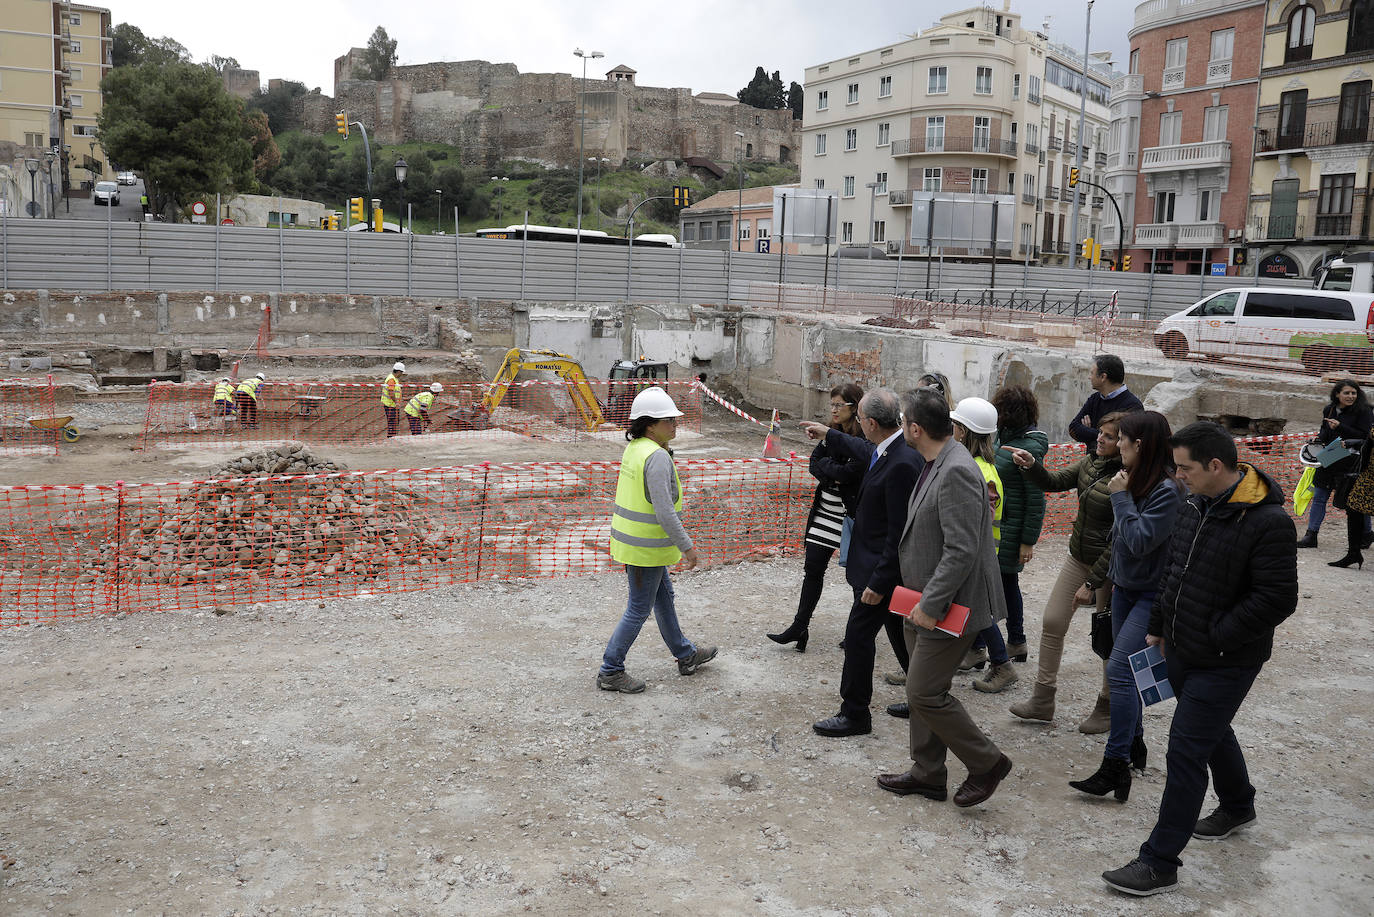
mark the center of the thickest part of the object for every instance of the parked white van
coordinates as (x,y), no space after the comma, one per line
(1324,330)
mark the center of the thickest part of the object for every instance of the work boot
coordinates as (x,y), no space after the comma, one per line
(1100,720)
(895,678)
(975,658)
(1309,540)
(1018,652)
(1039,706)
(695,661)
(998,679)
(619,681)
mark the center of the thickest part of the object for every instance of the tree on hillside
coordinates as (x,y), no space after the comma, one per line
(280,104)
(129,47)
(220,64)
(378,57)
(795,97)
(177,126)
(263,148)
(763,91)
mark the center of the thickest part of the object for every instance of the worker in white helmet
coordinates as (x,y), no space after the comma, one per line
(417,408)
(246,397)
(391,397)
(647,537)
(224,397)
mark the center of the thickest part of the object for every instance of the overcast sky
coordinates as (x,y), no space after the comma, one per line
(707,46)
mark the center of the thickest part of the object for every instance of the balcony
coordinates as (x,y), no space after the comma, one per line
(1156,235)
(1334,226)
(1277,229)
(1319,134)
(1162,12)
(922,145)
(1099,202)
(1173,79)
(1033,98)
(1027,197)
(1101,160)
(1051,193)
(1208,153)
(1128,84)
(1032,149)
(1201,235)
(899,198)
(1055,143)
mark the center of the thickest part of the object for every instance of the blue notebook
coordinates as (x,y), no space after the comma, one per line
(1151,675)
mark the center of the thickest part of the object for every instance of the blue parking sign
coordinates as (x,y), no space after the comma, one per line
(761,246)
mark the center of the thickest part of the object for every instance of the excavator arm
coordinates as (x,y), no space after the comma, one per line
(564,366)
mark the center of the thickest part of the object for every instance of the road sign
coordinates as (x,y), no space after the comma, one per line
(761,246)
(226,222)
(1218,268)
(198,208)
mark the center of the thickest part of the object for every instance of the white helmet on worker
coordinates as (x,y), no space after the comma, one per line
(653,402)
(977,414)
(436,388)
(261,376)
(398,367)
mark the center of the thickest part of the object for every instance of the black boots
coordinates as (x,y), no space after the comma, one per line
(1114,776)
(1353,559)
(795,633)
(1309,540)
(1139,753)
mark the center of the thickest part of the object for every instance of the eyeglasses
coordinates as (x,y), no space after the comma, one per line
(836,405)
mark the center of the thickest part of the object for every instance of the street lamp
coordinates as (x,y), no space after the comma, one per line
(498,192)
(739,164)
(872,198)
(439,210)
(32,166)
(401,170)
(581,152)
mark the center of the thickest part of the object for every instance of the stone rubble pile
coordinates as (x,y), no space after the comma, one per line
(288,458)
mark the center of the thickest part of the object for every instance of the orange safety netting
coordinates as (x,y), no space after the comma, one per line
(350,412)
(27,424)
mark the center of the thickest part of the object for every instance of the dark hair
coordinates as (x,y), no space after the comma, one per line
(1155,461)
(1110,365)
(926,408)
(851,394)
(1114,418)
(1206,440)
(939,382)
(1016,407)
(639,428)
(880,406)
(1360,401)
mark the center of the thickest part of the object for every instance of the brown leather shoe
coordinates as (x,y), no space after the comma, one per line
(905,785)
(979,787)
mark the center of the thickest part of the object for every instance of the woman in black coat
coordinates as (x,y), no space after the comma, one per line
(1348,417)
(833,502)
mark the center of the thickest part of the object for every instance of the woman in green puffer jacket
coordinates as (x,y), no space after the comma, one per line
(1023,505)
(1083,578)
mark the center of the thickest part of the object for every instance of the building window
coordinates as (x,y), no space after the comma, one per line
(77,74)
(884,87)
(765,228)
(1135,61)
(1164,207)
(880,231)
(76,101)
(35,139)
(748,151)
(689,232)
(1029,184)
(846,232)
(74,18)
(1353,123)
(820,144)
(1334,204)
(78,130)
(881,180)
(1175,58)
(723,230)
(1207,205)
(820,184)
(931,180)
(848,186)
(851,139)
(982,134)
(935,134)
(708,231)
(1292,118)
(1214,123)
(884,134)
(853,94)
(978,181)
(1223,41)
(743,231)
(1033,90)
(1016,86)
(1301,25)
(76,47)
(937,83)
(982,81)
(1170,128)
(1360,36)
(822,100)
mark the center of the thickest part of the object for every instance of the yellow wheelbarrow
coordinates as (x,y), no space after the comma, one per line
(70,433)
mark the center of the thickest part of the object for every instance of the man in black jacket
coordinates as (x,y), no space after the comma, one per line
(1232,577)
(1110,394)
(873,569)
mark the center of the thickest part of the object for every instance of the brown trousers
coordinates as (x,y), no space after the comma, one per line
(939,722)
(1059,611)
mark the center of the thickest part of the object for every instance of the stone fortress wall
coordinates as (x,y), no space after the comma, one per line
(495,112)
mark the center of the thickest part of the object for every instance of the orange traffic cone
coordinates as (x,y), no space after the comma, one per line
(770,445)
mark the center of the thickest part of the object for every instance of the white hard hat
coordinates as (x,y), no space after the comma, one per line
(1307,455)
(653,402)
(435,387)
(398,367)
(977,414)
(225,379)
(261,376)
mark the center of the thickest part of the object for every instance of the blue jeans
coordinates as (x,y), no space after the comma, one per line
(1200,738)
(991,637)
(651,589)
(1130,620)
(1016,608)
(1316,513)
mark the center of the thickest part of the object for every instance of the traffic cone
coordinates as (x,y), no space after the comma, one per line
(770,445)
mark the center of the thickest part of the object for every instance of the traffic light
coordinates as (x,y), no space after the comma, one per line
(355,210)
(341,123)
(1073,180)
(376,215)
(1088,246)
(1097,253)
(324,222)
(682,196)
(1125,262)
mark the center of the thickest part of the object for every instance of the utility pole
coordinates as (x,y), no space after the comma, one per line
(1082,124)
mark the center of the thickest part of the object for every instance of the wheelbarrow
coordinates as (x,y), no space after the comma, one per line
(70,433)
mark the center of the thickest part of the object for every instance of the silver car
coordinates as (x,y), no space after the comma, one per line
(107,193)
(127,178)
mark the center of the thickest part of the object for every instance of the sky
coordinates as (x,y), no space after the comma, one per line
(707,45)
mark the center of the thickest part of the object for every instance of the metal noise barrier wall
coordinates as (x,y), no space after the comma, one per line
(72,552)
(185,413)
(21,401)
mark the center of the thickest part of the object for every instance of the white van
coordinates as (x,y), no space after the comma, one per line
(1324,330)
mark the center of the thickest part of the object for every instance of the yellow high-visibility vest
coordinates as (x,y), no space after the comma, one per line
(992,477)
(224,391)
(636,537)
(418,403)
(250,387)
(391,391)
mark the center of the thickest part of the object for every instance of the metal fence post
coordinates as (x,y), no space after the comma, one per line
(109,246)
(119,540)
(410,260)
(524,247)
(457,257)
(680,249)
(217,213)
(5,239)
(281,249)
(348,263)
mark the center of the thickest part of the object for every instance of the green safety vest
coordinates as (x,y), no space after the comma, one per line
(224,391)
(250,387)
(992,477)
(419,404)
(636,537)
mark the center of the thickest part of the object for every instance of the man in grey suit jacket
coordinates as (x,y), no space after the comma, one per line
(948,554)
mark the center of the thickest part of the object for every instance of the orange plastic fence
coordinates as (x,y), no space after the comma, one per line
(344,412)
(22,401)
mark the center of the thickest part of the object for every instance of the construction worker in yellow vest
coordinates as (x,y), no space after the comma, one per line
(391,398)
(417,408)
(224,397)
(246,398)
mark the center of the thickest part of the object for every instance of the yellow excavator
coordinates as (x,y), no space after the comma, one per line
(560,364)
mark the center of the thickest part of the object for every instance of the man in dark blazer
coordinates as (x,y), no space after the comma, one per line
(872,568)
(949,555)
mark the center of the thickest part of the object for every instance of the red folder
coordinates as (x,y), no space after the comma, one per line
(905,600)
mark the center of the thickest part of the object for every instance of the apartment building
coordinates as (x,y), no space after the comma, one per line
(1064,85)
(733,221)
(1181,138)
(961,107)
(53,55)
(1310,188)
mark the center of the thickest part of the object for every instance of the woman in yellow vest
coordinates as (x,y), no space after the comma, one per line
(417,408)
(391,398)
(246,398)
(647,537)
(224,397)
(975,425)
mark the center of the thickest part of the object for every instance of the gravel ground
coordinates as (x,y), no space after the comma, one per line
(448,753)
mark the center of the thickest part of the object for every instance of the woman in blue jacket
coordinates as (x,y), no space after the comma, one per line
(1145,504)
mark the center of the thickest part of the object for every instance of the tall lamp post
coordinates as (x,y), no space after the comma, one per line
(32,166)
(439,210)
(739,165)
(1076,238)
(581,163)
(401,171)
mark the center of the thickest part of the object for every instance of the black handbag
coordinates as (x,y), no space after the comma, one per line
(1102,633)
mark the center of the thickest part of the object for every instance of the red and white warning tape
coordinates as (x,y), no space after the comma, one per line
(725,404)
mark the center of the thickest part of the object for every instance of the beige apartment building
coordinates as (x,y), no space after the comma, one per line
(1310,187)
(975,105)
(53,56)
